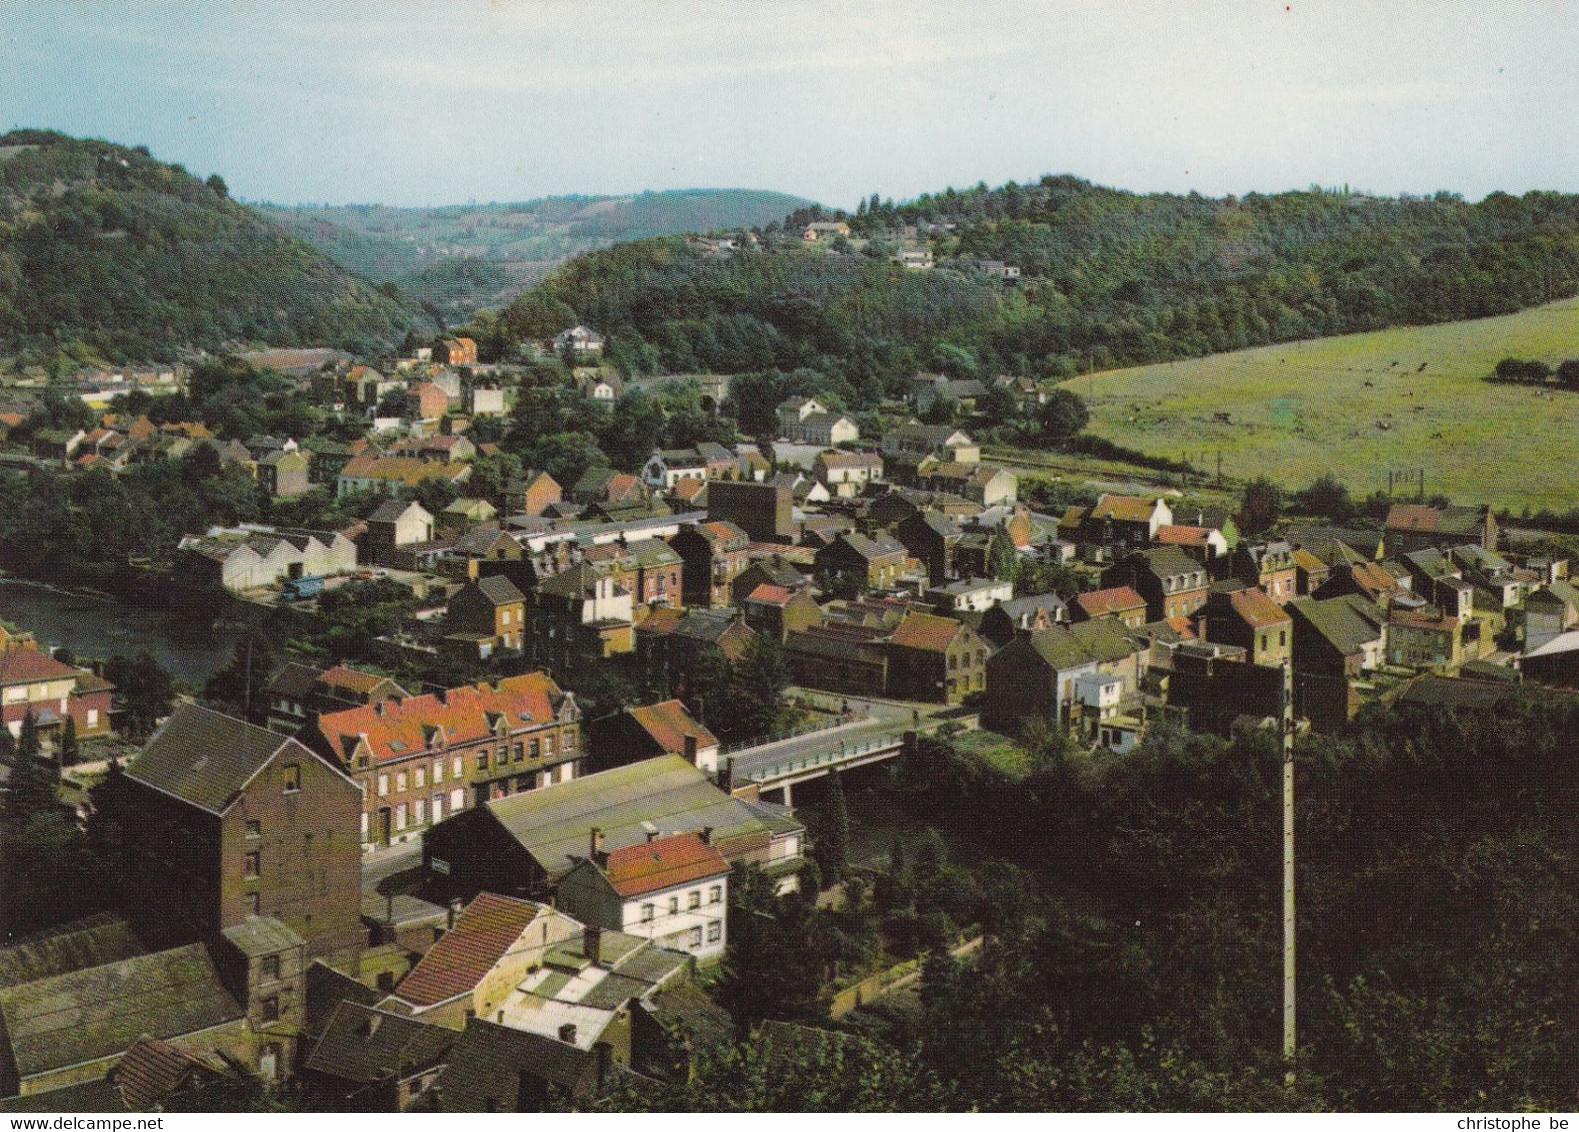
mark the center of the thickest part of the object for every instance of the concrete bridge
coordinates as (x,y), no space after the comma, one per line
(779,766)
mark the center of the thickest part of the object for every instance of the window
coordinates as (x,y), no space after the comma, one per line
(1282,637)
(548,744)
(251,864)
(646,913)
(696,937)
(420,777)
(417,809)
(482,760)
(694,900)
(400,816)
(570,741)
(400,782)
(715,894)
(293,778)
(269,1008)
(383,786)
(517,753)
(254,829)
(715,931)
(674,905)
(457,769)
(457,801)
(270,967)
(254,903)
(438,770)
(536,748)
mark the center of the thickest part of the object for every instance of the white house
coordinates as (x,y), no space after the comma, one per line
(673,890)
(486,401)
(580,341)
(668,467)
(806,420)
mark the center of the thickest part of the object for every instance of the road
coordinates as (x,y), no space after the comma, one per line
(882,720)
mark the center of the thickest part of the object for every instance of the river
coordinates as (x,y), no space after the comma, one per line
(188,646)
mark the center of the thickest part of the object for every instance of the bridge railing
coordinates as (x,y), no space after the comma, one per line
(833,755)
(790,733)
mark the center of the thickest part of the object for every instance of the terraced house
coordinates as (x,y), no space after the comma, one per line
(421,759)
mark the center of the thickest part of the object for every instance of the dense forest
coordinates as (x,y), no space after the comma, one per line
(1131,905)
(106,252)
(1109,278)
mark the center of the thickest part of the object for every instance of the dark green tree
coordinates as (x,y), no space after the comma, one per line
(70,755)
(833,846)
(1260,507)
(1063,416)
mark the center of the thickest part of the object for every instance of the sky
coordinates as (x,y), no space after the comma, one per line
(413,102)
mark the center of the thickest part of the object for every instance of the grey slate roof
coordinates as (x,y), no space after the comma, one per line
(499,589)
(327,989)
(485,1067)
(205,758)
(102,1011)
(367,1045)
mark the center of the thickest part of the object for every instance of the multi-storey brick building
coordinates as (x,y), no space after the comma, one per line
(420,759)
(225,822)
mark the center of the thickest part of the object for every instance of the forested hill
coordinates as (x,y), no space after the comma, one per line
(108,252)
(459,257)
(1108,278)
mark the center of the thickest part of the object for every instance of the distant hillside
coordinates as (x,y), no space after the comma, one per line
(106,251)
(1108,278)
(460,257)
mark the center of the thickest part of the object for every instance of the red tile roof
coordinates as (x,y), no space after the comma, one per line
(769,594)
(481,937)
(1433,620)
(1116,599)
(11,420)
(1412,517)
(664,619)
(927,632)
(1178,535)
(351,680)
(29,665)
(669,724)
(399,728)
(663,863)
(1183,626)
(1256,608)
(688,488)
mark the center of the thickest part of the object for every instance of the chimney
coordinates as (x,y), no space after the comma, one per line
(707,835)
(567,1033)
(455,910)
(592,943)
(595,847)
(650,830)
(726,775)
(690,749)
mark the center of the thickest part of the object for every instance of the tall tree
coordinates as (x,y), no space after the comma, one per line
(833,847)
(69,752)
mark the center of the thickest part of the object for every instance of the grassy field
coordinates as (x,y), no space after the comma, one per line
(1362,405)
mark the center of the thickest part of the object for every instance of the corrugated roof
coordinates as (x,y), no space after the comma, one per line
(554,824)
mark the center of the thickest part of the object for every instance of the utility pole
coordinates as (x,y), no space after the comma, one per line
(1288,873)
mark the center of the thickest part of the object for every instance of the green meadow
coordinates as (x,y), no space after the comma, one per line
(1404,400)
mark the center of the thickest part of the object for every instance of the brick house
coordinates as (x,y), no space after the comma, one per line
(226,822)
(455,352)
(1122,603)
(712,554)
(936,659)
(650,731)
(877,560)
(1173,583)
(419,759)
(491,609)
(1250,619)
(33,681)
(284,474)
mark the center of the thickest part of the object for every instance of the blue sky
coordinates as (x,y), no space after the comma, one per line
(416,102)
